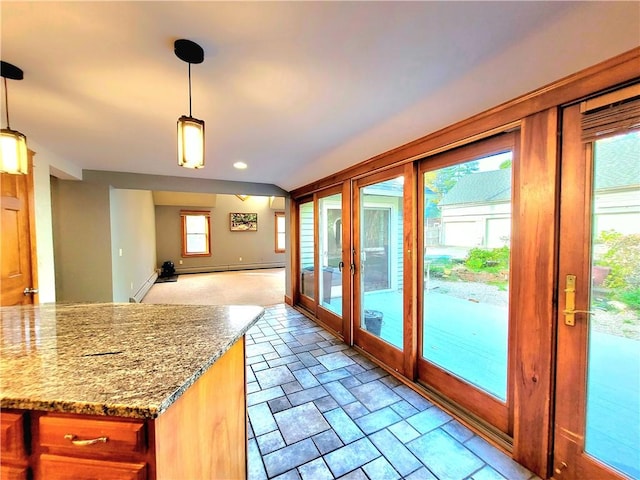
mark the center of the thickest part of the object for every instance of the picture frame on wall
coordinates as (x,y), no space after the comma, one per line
(243,222)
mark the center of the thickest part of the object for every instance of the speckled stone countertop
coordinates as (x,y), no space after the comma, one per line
(119,359)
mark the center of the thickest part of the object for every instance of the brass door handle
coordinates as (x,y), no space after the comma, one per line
(570,302)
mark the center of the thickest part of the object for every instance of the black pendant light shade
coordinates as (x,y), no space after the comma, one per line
(190,129)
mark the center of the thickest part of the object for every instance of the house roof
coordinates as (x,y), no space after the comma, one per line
(617,162)
(617,166)
(481,187)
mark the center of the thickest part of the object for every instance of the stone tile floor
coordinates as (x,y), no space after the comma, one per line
(320,410)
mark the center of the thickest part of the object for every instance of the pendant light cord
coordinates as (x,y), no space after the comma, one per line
(6,101)
(189,89)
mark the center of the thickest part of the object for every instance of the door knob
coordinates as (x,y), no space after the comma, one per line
(30,291)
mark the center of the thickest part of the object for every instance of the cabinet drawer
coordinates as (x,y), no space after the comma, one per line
(12,439)
(92,436)
(9,472)
(55,467)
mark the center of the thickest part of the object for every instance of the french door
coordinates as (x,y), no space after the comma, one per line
(322,255)
(467,233)
(597,423)
(383,264)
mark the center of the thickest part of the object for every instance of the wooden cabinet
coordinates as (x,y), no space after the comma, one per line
(55,467)
(13,446)
(201,435)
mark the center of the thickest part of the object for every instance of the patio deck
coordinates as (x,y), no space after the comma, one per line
(469,339)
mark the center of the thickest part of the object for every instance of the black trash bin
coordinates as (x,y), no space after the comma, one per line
(373,321)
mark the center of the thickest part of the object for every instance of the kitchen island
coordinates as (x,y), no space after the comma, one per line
(140,391)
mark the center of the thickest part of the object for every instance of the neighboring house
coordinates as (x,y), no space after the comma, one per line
(616,185)
(476,212)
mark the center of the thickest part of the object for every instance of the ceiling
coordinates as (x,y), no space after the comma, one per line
(297,90)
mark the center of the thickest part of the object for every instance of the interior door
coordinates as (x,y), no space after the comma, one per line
(18,279)
(383,320)
(597,431)
(467,324)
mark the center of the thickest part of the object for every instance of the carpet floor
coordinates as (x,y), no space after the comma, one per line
(244,287)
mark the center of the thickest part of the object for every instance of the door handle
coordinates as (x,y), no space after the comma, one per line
(340,266)
(570,302)
(30,291)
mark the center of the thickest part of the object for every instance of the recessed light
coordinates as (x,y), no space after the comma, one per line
(240,165)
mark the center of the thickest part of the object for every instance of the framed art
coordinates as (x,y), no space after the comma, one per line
(243,222)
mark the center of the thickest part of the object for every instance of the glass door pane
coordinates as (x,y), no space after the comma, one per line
(381,260)
(612,433)
(467,232)
(307,249)
(330,230)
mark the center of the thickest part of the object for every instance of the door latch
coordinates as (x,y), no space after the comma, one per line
(570,302)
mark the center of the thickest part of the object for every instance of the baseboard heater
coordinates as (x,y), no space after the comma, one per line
(142,291)
(226,268)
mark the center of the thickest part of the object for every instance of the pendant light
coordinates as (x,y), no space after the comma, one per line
(13,144)
(190,130)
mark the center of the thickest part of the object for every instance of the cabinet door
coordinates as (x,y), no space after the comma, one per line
(54,467)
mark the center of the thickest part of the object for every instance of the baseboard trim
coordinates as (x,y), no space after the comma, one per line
(227,268)
(288,300)
(146,286)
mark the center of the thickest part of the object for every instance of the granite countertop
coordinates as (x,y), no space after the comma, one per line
(118,359)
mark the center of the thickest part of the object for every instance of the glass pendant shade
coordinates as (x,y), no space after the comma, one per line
(13,151)
(190,142)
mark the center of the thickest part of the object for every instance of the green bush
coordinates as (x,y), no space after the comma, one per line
(631,298)
(493,260)
(623,257)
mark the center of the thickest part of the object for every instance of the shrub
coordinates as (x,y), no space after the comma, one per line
(622,255)
(631,298)
(493,260)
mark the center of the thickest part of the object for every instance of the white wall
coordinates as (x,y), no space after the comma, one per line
(82,241)
(133,239)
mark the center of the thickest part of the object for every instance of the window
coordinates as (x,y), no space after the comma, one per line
(280,232)
(196,233)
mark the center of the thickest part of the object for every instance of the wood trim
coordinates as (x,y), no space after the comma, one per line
(411,258)
(617,70)
(571,365)
(183,222)
(277,215)
(347,280)
(609,98)
(33,250)
(484,406)
(534,261)
(500,143)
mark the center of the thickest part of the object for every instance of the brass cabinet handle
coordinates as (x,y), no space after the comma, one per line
(84,443)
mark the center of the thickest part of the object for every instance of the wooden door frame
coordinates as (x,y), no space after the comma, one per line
(496,413)
(570,462)
(402,361)
(334,322)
